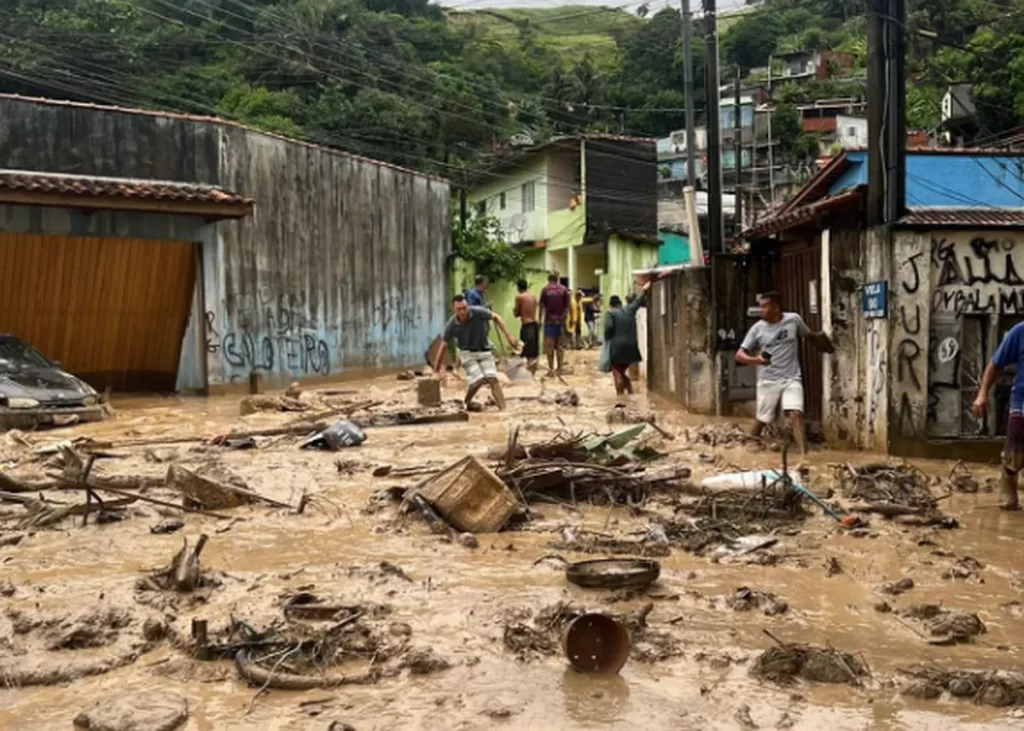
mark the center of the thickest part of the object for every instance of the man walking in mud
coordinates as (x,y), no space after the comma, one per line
(1009,353)
(469,328)
(772,346)
(529,332)
(554,305)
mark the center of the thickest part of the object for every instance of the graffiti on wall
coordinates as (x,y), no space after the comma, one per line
(878,369)
(909,338)
(269,333)
(977,276)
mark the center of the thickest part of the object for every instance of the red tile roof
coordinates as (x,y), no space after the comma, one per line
(27,181)
(803,214)
(965,217)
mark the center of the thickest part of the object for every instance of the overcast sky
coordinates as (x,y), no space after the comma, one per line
(654,5)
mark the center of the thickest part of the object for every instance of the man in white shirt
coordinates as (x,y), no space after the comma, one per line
(771,345)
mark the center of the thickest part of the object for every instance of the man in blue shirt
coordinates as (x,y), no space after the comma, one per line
(475,296)
(1009,353)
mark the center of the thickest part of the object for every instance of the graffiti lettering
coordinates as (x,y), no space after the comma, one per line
(212,336)
(876,374)
(907,355)
(306,354)
(977,266)
(917,320)
(915,284)
(978,302)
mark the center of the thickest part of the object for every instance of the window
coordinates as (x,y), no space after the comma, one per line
(501,201)
(851,131)
(481,208)
(528,193)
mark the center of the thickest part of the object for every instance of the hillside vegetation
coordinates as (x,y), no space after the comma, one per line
(409,82)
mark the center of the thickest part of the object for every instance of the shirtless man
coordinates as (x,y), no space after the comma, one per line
(529,332)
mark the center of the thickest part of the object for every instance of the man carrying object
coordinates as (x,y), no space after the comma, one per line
(468,327)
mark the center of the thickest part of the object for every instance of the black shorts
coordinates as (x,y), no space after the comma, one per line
(530,335)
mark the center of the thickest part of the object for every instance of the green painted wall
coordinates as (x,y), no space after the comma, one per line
(674,249)
(624,257)
(517,225)
(566,227)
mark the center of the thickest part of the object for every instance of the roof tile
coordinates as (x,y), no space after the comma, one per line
(56,183)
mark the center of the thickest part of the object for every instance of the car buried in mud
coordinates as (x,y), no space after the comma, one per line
(35,392)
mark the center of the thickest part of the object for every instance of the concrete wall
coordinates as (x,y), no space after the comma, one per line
(341,266)
(681,344)
(625,257)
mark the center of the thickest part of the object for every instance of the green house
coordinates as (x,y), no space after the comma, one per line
(585,206)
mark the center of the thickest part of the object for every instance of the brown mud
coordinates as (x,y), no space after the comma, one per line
(409,629)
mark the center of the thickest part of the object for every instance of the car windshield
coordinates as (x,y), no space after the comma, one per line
(16,353)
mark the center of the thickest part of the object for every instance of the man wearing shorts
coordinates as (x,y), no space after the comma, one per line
(554,305)
(529,333)
(774,339)
(468,327)
(1009,353)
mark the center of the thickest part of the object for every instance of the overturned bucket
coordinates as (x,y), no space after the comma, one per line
(596,643)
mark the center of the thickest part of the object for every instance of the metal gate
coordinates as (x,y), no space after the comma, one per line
(797,275)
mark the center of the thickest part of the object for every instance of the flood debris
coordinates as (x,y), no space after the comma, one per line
(212,486)
(941,626)
(595,542)
(895,588)
(997,688)
(888,487)
(260,403)
(425,661)
(786,662)
(339,435)
(149,711)
(745,599)
(183,575)
(965,568)
(469,497)
(541,637)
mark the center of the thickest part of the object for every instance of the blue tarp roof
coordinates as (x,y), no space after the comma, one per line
(964,179)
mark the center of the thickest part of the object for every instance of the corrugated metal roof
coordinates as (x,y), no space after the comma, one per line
(965,217)
(27,181)
(803,214)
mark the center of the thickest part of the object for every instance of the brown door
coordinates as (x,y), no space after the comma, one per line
(797,277)
(112,311)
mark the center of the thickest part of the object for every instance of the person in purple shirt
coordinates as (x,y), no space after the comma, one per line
(554,305)
(1009,353)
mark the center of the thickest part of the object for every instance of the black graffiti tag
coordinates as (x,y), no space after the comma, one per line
(906,358)
(912,262)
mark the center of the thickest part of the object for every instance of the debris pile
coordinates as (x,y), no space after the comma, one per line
(787,662)
(993,688)
(745,599)
(941,626)
(900,485)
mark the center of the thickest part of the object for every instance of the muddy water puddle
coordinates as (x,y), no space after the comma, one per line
(457,602)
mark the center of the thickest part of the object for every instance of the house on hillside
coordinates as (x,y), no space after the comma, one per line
(585,206)
(804,66)
(914,319)
(155,251)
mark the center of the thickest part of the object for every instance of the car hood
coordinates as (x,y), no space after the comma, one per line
(43,385)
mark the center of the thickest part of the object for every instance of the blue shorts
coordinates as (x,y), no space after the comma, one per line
(552,331)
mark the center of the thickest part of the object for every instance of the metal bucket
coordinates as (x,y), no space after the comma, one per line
(596,643)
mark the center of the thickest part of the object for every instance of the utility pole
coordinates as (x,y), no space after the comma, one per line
(737,147)
(876,95)
(896,118)
(691,154)
(715,241)
(771,151)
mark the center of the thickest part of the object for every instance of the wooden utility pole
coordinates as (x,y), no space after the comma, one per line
(691,153)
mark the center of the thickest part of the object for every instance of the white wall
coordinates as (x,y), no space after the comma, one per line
(517,224)
(851,132)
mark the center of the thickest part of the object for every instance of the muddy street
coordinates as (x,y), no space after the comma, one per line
(908,617)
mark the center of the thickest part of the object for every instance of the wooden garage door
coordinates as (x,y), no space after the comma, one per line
(112,311)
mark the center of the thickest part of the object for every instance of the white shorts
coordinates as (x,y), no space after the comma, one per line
(478,366)
(790,393)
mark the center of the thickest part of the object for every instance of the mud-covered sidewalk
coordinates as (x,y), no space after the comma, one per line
(320,600)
